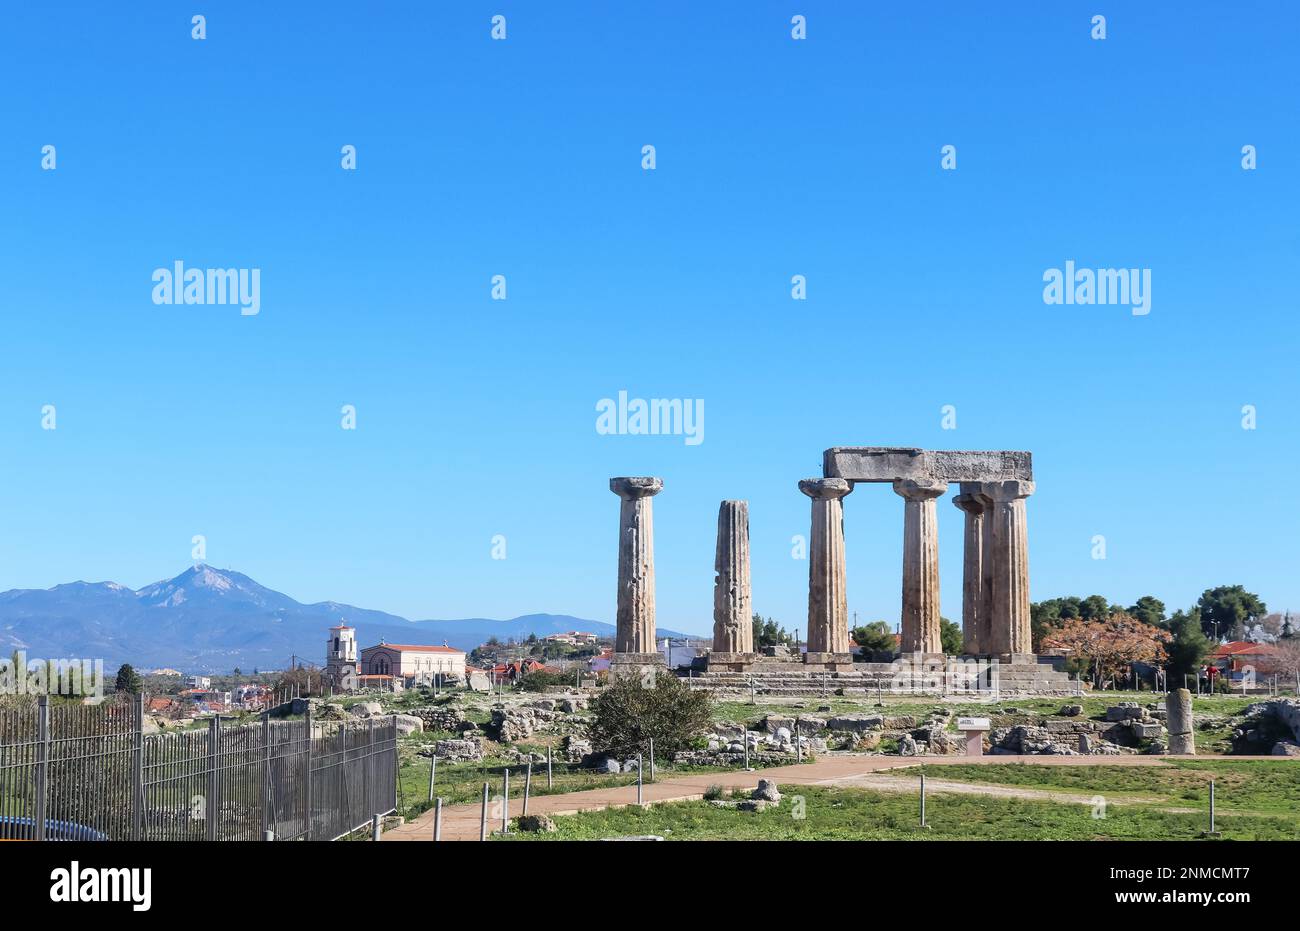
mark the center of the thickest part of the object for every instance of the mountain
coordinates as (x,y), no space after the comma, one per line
(212,620)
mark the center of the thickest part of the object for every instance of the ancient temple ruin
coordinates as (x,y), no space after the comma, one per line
(990,490)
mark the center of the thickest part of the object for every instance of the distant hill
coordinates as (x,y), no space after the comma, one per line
(212,620)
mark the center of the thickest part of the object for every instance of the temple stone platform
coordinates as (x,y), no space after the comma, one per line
(1020,674)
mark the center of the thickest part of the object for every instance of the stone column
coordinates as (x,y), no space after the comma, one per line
(1009,577)
(733,608)
(635,619)
(828,605)
(1178,720)
(972,570)
(987,640)
(920,565)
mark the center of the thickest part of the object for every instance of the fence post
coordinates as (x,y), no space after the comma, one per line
(638,779)
(482,824)
(437,820)
(528,783)
(266,776)
(652,759)
(42,764)
(306,772)
(433,774)
(549,782)
(505,802)
(137,769)
(212,805)
(376,827)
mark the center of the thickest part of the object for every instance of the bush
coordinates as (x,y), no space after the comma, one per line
(713,793)
(543,680)
(632,711)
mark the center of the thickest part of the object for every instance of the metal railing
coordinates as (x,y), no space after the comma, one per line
(81,772)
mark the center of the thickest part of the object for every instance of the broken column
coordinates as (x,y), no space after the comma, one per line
(828,606)
(733,614)
(634,638)
(1009,575)
(972,575)
(920,621)
(1178,721)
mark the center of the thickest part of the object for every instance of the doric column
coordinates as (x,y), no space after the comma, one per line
(972,569)
(1009,576)
(920,565)
(733,614)
(828,605)
(989,642)
(635,620)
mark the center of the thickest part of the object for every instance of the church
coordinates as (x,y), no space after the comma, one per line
(388,666)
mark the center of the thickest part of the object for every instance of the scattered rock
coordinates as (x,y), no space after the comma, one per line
(767,790)
(536,824)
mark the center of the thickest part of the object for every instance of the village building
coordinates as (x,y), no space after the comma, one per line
(411,664)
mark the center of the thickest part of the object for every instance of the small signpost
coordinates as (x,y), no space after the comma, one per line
(974,729)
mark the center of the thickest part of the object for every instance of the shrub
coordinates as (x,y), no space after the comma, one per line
(713,793)
(632,711)
(543,680)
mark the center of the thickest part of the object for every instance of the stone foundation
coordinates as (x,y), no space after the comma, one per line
(635,664)
(924,675)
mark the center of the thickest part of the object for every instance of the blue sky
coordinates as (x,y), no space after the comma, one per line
(523,158)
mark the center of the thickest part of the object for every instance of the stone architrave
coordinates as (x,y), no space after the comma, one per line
(920,620)
(828,608)
(1009,577)
(635,618)
(1178,721)
(733,615)
(972,575)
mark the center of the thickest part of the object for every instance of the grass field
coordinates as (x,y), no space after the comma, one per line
(816,813)
(1255,786)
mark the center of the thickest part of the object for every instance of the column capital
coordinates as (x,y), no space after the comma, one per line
(825,487)
(631,487)
(969,502)
(1007,491)
(919,490)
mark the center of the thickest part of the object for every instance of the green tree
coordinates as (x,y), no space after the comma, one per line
(768,633)
(1094,608)
(875,637)
(1149,610)
(631,711)
(950,636)
(1189,647)
(128,680)
(1227,609)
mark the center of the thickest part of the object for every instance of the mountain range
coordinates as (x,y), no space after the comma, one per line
(213,620)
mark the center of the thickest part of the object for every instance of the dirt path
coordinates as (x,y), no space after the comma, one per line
(462,822)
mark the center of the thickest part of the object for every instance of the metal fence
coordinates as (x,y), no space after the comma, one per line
(78,772)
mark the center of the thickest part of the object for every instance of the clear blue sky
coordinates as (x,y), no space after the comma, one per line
(523,158)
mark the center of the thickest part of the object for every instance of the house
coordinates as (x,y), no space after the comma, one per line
(199,682)
(413,664)
(601,663)
(513,672)
(1234,658)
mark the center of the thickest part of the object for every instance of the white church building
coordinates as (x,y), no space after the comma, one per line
(388,666)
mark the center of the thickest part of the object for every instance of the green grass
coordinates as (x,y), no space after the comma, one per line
(860,814)
(1250,785)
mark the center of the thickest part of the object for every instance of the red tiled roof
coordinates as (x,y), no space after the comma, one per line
(1239,647)
(411,648)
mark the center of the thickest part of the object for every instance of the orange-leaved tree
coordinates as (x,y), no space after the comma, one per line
(1108,646)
